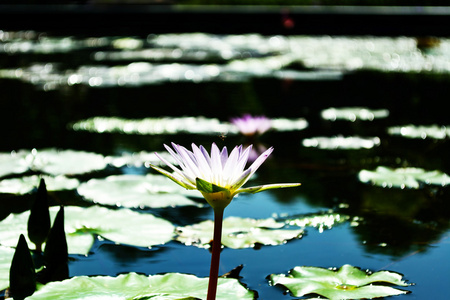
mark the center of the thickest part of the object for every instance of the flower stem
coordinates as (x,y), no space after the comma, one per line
(215,257)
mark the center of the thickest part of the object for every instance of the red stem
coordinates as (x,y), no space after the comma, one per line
(215,258)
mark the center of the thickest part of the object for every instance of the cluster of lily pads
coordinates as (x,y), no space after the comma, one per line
(217,58)
(115,200)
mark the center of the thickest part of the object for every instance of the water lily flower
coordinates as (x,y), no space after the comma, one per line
(250,125)
(219,177)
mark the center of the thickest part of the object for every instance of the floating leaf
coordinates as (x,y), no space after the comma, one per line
(353,114)
(403,177)
(6,255)
(421,132)
(238,233)
(139,159)
(51,161)
(137,191)
(281,124)
(27,184)
(133,286)
(13,163)
(346,283)
(67,162)
(340,142)
(163,125)
(82,224)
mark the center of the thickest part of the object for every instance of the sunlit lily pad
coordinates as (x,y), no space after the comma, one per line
(346,283)
(27,184)
(340,142)
(139,159)
(6,255)
(353,114)
(67,162)
(238,233)
(51,161)
(13,163)
(421,132)
(164,125)
(412,178)
(81,224)
(282,124)
(133,286)
(137,191)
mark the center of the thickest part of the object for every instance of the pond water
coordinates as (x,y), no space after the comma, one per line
(124,97)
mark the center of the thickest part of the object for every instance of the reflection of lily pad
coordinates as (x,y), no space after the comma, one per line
(403,177)
(353,114)
(238,233)
(6,255)
(27,184)
(420,132)
(319,221)
(137,191)
(134,286)
(340,142)
(122,226)
(346,283)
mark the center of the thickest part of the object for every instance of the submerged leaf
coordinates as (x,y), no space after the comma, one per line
(238,233)
(133,286)
(346,283)
(135,191)
(82,224)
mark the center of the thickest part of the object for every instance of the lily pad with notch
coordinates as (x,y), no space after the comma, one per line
(134,286)
(238,233)
(82,225)
(347,282)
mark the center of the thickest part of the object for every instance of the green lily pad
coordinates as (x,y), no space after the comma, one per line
(353,113)
(6,255)
(13,163)
(163,125)
(137,191)
(340,142)
(133,286)
(139,159)
(346,283)
(238,233)
(421,132)
(51,161)
(412,178)
(122,226)
(27,184)
(67,162)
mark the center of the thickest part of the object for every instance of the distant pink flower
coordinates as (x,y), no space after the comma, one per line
(250,125)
